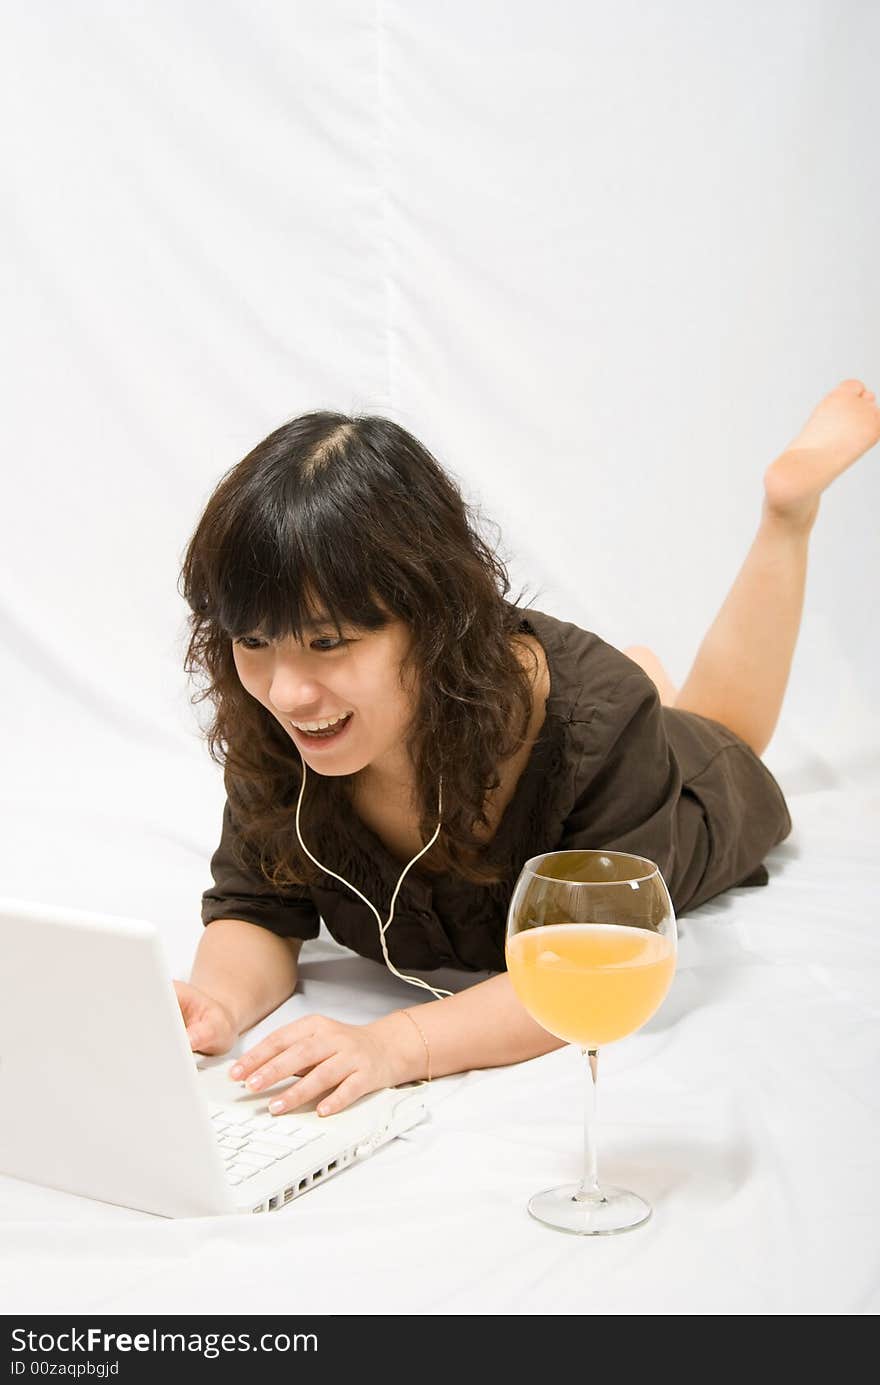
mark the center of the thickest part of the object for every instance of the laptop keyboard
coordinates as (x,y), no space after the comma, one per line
(249,1144)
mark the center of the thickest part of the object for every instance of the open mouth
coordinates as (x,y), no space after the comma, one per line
(332,733)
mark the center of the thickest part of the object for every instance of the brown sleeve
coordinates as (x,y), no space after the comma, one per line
(240,891)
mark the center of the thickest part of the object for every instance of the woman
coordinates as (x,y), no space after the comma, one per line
(336,577)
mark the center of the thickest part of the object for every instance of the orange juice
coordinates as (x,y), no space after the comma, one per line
(590,983)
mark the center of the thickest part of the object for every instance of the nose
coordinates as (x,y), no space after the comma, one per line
(294,696)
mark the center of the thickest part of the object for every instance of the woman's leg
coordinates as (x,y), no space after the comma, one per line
(647,660)
(742,667)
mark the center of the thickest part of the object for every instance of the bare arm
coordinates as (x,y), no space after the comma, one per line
(485,1026)
(249,969)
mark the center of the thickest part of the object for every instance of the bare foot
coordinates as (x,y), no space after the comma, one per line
(839,430)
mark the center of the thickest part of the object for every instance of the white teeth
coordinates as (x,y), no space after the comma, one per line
(318,725)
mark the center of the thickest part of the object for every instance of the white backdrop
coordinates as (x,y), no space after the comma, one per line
(602,261)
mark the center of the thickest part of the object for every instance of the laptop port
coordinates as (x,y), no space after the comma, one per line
(288,1194)
(331,1166)
(303,1183)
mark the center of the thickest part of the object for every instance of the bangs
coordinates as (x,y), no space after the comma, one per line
(263,583)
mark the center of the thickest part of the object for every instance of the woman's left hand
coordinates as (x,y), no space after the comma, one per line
(342,1062)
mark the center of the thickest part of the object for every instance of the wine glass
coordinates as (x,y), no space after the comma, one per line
(591,947)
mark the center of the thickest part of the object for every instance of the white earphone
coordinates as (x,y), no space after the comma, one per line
(413,980)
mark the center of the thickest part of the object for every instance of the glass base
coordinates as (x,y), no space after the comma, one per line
(598,1214)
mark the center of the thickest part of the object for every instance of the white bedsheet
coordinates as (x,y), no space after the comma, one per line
(605,291)
(746,1111)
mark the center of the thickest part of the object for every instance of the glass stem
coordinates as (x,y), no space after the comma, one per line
(589,1189)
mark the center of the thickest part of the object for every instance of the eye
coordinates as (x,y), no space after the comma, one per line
(249,642)
(328,639)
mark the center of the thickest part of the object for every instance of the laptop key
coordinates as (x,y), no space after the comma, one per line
(233,1171)
(263,1122)
(243,1170)
(257,1161)
(263,1145)
(283,1125)
(298,1139)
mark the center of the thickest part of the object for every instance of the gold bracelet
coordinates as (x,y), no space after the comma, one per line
(424,1040)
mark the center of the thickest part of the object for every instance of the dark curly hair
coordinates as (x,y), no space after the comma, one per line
(354,513)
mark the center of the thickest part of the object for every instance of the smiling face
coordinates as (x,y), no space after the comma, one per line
(325,677)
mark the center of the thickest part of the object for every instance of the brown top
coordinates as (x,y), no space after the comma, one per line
(610,769)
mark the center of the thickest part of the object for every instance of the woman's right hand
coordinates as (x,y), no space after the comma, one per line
(210,1027)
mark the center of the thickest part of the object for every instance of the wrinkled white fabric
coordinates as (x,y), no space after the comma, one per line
(604,263)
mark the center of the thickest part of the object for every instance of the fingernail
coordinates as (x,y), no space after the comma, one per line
(255,1081)
(276,1106)
(236,1071)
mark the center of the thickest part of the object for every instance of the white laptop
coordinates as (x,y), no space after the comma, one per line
(101,1094)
